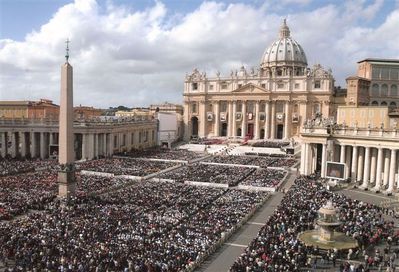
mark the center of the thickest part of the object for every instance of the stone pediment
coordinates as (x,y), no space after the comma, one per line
(250,89)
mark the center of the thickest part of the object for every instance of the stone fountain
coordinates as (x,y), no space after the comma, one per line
(325,235)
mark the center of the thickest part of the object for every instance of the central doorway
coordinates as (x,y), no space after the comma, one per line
(250,131)
(194,126)
(280,130)
(224,130)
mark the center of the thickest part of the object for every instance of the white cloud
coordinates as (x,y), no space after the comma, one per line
(138,57)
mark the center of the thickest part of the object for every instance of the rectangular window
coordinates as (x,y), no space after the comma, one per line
(146,137)
(384,73)
(223,106)
(194,86)
(211,87)
(239,85)
(375,74)
(263,85)
(140,137)
(280,85)
(194,108)
(317,84)
(123,139)
(224,86)
(132,139)
(153,135)
(296,86)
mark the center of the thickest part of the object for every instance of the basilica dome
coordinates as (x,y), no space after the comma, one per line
(284,52)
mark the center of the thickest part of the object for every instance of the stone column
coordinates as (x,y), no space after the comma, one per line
(347,162)
(111,144)
(354,164)
(323,161)
(267,120)
(244,119)
(366,168)
(84,146)
(303,151)
(342,154)
(51,138)
(13,145)
(217,119)
(360,166)
(3,144)
(234,119)
(202,119)
(257,129)
(392,172)
(22,139)
(32,145)
(42,146)
(95,149)
(273,121)
(379,169)
(307,163)
(287,121)
(230,120)
(386,167)
(373,166)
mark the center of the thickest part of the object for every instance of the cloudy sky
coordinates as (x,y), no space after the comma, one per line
(137,52)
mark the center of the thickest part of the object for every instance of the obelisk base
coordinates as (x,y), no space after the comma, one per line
(66,183)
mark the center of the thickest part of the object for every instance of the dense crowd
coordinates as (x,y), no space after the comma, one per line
(32,191)
(264,178)
(14,166)
(149,227)
(125,166)
(19,193)
(276,248)
(209,173)
(271,144)
(165,154)
(261,161)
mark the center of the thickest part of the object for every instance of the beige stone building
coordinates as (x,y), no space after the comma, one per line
(364,139)
(269,102)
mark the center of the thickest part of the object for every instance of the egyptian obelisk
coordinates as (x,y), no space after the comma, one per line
(66,175)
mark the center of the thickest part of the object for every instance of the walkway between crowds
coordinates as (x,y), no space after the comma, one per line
(225,256)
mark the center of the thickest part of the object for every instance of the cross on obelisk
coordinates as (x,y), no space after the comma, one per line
(66,175)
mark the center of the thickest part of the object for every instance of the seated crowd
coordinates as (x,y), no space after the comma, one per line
(149,227)
(209,173)
(132,167)
(31,191)
(264,178)
(276,248)
(165,154)
(14,166)
(261,161)
(271,144)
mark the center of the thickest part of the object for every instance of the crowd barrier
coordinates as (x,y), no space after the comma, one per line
(199,159)
(207,184)
(162,172)
(162,180)
(94,173)
(256,188)
(230,165)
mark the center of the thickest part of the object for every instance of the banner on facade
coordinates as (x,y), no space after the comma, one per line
(238,116)
(223,116)
(262,116)
(209,116)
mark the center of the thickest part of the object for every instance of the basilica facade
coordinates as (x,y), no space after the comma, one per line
(265,103)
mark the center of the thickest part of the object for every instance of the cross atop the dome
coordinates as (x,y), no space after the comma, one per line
(284,30)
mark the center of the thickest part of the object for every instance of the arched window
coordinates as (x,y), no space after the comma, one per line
(384,90)
(375,90)
(383,103)
(374,103)
(394,90)
(392,104)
